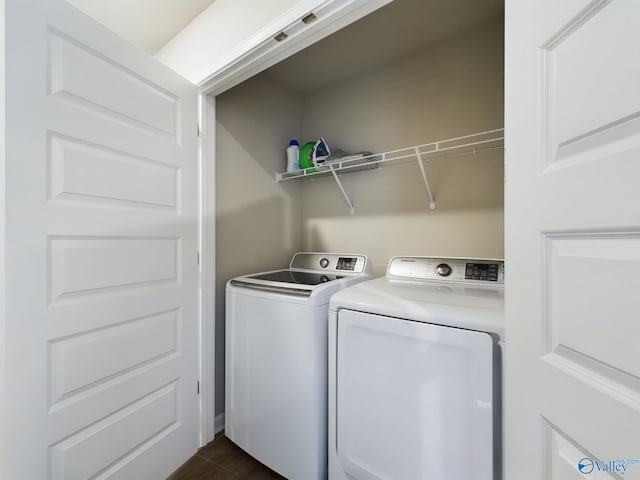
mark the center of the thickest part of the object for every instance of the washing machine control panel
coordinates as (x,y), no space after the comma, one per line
(448,269)
(331,262)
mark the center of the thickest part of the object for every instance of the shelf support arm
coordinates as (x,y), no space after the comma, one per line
(344,193)
(432,203)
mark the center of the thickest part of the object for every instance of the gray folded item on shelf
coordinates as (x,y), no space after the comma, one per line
(341,155)
(348,159)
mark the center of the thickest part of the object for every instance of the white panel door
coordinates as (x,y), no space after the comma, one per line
(572,239)
(101,332)
(413,400)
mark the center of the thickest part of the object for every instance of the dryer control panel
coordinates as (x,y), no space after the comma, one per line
(484,270)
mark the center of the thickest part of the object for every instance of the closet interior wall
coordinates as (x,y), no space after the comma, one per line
(447,89)
(258,221)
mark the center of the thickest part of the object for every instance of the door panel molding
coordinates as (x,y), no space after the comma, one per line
(77,74)
(569,82)
(572,140)
(82,172)
(100,332)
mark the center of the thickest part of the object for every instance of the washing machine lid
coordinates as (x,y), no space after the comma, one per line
(311,274)
(298,277)
(414,290)
(289,281)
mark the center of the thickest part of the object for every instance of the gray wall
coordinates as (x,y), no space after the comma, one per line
(449,89)
(258,221)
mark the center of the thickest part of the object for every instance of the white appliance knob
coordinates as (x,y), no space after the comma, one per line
(324,262)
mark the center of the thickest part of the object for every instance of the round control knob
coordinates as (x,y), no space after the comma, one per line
(324,262)
(324,279)
(444,270)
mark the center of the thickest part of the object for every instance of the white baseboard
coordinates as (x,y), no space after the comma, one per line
(218,423)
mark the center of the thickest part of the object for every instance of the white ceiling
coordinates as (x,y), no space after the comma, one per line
(386,34)
(148,24)
(390,32)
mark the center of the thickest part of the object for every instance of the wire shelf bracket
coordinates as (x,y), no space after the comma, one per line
(432,203)
(344,193)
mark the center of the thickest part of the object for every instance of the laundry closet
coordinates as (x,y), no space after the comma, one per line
(408,74)
(109,268)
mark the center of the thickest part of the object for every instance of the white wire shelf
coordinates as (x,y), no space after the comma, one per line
(451,147)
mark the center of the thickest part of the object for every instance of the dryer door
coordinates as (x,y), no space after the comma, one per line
(414,400)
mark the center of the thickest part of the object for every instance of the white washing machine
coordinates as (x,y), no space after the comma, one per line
(276,360)
(415,373)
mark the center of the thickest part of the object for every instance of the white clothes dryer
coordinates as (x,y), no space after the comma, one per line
(415,375)
(276,360)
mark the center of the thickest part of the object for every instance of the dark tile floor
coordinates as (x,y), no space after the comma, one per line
(223,460)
